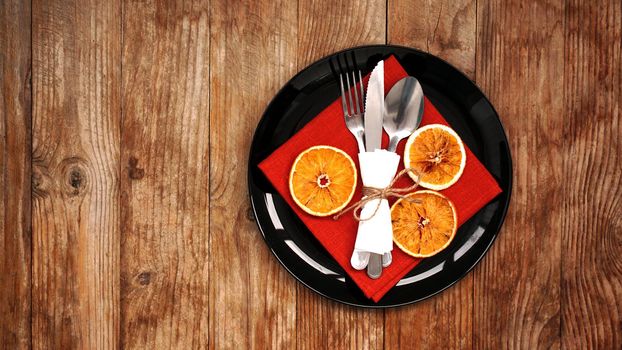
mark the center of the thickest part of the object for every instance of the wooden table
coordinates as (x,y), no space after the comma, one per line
(125,132)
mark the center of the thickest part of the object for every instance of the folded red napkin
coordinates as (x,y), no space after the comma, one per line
(475,188)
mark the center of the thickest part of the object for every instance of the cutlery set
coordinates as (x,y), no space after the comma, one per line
(366,113)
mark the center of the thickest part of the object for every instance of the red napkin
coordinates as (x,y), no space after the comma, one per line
(475,188)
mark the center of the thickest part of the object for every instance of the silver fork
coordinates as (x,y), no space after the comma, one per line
(353,112)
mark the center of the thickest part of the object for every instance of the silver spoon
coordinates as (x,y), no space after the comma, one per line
(403,110)
(403,114)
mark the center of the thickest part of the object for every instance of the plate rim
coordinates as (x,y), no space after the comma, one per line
(497,228)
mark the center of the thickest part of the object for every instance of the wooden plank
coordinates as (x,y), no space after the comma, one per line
(165,175)
(325,324)
(591,225)
(323,28)
(75,221)
(443,322)
(446,29)
(326,26)
(520,66)
(15,198)
(253,53)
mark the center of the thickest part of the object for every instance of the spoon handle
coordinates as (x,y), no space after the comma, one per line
(393,144)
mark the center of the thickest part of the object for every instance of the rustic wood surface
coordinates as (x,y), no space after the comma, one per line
(15,159)
(75,162)
(125,131)
(516,294)
(164,175)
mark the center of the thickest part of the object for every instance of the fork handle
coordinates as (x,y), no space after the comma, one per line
(359,140)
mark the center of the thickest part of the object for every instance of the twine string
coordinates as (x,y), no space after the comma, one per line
(372,193)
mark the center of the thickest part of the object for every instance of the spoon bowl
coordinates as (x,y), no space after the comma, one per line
(403,110)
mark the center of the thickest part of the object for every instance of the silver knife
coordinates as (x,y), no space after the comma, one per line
(374,115)
(374,108)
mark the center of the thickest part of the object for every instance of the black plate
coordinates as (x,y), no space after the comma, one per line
(463,105)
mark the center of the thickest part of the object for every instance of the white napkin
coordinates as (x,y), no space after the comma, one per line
(376,234)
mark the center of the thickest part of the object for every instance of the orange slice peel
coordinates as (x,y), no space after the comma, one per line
(437,154)
(322,180)
(424,223)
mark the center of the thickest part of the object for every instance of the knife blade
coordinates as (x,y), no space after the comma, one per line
(374,108)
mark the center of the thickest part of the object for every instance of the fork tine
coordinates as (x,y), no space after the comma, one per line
(357,108)
(344,103)
(362,92)
(349,93)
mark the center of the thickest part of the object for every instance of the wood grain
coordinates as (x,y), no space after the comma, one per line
(253,53)
(325,324)
(446,29)
(75,214)
(15,199)
(441,322)
(323,28)
(326,26)
(520,66)
(592,226)
(165,175)
(124,213)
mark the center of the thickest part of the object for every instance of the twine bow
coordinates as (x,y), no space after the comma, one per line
(371,193)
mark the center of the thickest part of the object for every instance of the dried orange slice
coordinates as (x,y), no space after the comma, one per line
(322,180)
(437,153)
(424,227)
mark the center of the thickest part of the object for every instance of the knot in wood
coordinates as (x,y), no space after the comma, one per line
(135,172)
(74,176)
(144,278)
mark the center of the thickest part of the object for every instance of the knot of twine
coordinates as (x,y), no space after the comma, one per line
(371,193)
